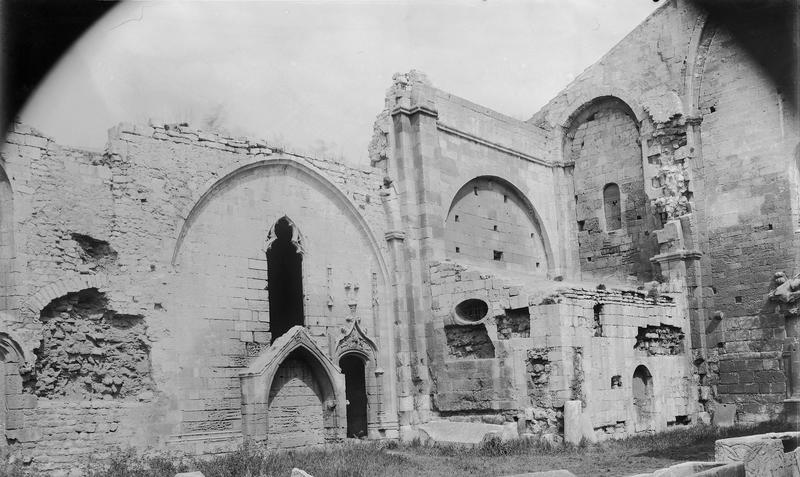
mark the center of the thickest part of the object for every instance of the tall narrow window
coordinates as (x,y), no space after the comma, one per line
(285,278)
(612,206)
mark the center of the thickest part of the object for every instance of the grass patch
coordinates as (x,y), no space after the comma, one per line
(392,459)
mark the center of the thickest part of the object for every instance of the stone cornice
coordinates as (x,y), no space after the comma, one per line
(415,110)
(512,152)
(677,255)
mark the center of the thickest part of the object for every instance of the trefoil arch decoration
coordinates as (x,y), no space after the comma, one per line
(357,342)
(297,238)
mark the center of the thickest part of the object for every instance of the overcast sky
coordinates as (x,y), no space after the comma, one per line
(313,75)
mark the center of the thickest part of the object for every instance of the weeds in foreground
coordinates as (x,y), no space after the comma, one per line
(391,458)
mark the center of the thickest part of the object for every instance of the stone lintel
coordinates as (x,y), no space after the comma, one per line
(677,255)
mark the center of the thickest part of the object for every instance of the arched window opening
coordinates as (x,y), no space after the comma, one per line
(355,385)
(285,278)
(613,209)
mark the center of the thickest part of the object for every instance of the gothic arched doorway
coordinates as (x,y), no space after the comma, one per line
(354,370)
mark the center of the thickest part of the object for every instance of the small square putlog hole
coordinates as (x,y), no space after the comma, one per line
(498,255)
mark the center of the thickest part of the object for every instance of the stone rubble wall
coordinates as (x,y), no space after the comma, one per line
(562,357)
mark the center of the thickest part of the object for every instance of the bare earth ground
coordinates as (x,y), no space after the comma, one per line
(494,458)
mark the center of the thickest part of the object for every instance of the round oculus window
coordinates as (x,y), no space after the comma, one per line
(472,310)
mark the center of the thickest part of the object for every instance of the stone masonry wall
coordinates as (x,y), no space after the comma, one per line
(488,223)
(600,361)
(471,368)
(508,156)
(115,229)
(295,408)
(719,131)
(605,149)
(576,343)
(68,433)
(748,206)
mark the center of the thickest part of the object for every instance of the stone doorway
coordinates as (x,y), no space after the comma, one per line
(354,370)
(643,401)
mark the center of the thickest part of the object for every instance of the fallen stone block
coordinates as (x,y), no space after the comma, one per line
(762,454)
(300,473)
(447,432)
(724,415)
(573,430)
(196,473)
(699,469)
(547,473)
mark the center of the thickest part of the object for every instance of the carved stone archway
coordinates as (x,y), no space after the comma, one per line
(356,343)
(256,382)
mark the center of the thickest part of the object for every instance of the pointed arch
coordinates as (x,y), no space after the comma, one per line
(591,96)
(511,194)
(602,141)
(278,165)
(257,380)
(588,109)
(356,341)
(297,239)
(11,350)
(285,277)
(705,31)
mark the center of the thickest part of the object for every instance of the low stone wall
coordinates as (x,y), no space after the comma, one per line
(67,432)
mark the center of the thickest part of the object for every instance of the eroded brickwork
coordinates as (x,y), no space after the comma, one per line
(660,340)
(88,350)
(551,352)
(471,342)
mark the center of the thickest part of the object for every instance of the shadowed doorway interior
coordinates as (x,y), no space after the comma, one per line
(356,394)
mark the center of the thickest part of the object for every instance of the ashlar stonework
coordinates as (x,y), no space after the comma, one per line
(599,270)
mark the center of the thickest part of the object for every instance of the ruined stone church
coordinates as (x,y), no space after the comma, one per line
(607,261)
